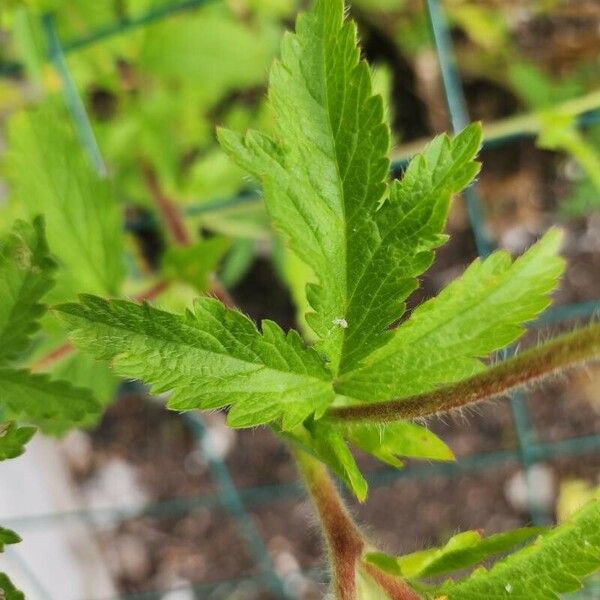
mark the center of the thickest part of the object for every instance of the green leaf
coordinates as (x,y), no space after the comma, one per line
(211,50)
(388,441)
(211,357)
(12,441)
(445,338)
(325,179)
(552,565)
(54,406)
(467,549)
(8,537)
(326,443)
(194,264)
(81,370)
(329,443)
(8,590)
(50,174)
(25,276)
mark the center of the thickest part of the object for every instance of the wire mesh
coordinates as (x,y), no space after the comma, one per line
(235,501)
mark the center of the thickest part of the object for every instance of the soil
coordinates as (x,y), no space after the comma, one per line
(194,542)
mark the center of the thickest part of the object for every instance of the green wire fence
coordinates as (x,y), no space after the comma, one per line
(236,502)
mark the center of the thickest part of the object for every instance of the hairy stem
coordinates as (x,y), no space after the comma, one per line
(529,367)
(394,587)
(344,541)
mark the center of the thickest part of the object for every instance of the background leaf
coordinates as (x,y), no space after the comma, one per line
(49,174)
(25,277)
(54,406)
(13,439)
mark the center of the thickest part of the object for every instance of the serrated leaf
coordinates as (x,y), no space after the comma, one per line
(194,264)
(388,441)
(324,180)
(13,439)
(54,406)
(552,565)
(466,549)
(25,276)
(211,357)
(444,339)
(326,443)
(50,174)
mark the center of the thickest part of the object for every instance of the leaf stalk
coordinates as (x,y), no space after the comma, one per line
(531,366)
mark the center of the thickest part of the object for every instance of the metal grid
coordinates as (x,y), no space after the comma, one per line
(235,501)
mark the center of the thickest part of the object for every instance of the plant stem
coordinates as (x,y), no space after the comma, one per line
(395,588)
(344,541)
(169,212)
(529,367)
(175,225)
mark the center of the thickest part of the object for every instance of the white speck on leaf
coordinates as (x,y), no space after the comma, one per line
(508,588)
(341,323)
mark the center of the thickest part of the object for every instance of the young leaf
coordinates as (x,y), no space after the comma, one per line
(478,313)
(194,264)
(554,564)
(466,549)
(13,439)
(324,180)
(50,174)
(389,441)
(54,406)
(211,357)
(326,443)
(25,276)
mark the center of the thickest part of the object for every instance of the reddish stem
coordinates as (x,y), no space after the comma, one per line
(395,588)
(152,292)
(529,367)
(344,541)
(52,357)
(176,227)
(166,207)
